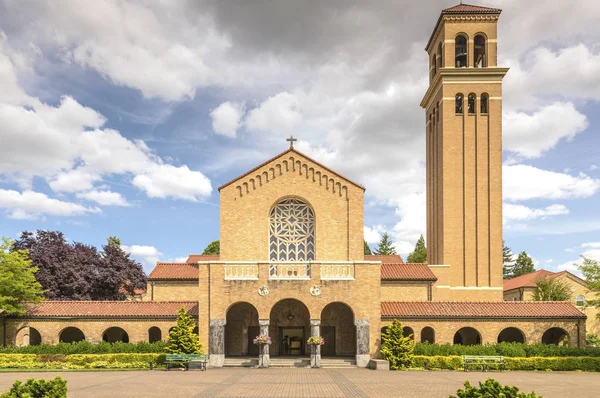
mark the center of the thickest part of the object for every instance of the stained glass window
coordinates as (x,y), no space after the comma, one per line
(292,231)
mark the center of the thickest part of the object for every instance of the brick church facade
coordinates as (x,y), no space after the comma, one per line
(292,263)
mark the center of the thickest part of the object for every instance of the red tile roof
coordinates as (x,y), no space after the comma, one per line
(194,258)
(491,309)
(174,271)
(97,309)
(407,271)
(528,280)
(394,258)
(283,153)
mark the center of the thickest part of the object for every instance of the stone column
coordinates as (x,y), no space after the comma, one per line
(363,342)
(217,342)
(315,350)
(263,353)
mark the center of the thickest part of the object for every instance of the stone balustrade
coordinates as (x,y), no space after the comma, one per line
(337,271)
(290,271)
(241,271)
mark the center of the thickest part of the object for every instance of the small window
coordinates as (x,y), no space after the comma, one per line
(580,301)
(459,103)
(484,103)
(479,56)
(441,56)
(471,104)
(460,51)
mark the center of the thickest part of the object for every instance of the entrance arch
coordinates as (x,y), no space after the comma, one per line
(555,336)
(71,334)
(241,329)
(114,334)
(338,330)
(467,336)
(511,335)
(289,327)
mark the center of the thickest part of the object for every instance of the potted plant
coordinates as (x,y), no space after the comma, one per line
(262,341)
(315,343)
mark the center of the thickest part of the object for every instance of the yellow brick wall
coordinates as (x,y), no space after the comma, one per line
(172,291)
(404,291)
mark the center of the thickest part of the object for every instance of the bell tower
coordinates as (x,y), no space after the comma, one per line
(463,107)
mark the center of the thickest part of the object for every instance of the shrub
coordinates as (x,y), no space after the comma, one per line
(396,348)
(506,349)
(80,361)
(84,347)
(491,388)
(592,340)
(587,364)
(182,339)
(32,388)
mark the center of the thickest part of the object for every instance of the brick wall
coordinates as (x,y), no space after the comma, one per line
(170,290)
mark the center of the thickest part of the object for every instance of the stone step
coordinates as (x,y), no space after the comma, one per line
(240,362)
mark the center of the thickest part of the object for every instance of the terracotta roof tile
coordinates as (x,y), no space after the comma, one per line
(394,258)
(407,271)
(174,271)
(529,280)
(194,258)
(495,309)
(97,309)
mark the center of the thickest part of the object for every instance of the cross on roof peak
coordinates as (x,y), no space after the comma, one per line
(291,140)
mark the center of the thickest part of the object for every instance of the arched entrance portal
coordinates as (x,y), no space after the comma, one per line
(241,328)
(467,336)
(338,330)
(555,336)
(511,335)
(289,327)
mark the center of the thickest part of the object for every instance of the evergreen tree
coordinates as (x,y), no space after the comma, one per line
(182,339)
(507,261)
(523,265)
(395,347)
(551,289)
(419,255)
(213,247)
(367,248)
(17,280)
(385,246)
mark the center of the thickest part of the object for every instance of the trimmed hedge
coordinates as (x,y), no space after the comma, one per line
(84,347)
(515,350)
(79,361)
(587,364)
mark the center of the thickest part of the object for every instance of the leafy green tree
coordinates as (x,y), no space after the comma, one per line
(492,389)
(213,247)
(367,248)
(385,246)
(507,261)
(17,280)
(551,289)
(591,273)
(182,339)
(523,265)
(592,340)
(395,347)
(419,255)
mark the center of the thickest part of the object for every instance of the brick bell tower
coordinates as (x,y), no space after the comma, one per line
(464,154)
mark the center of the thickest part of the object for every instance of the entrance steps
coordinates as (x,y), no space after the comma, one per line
(240,362)
(338,362)
(290,362)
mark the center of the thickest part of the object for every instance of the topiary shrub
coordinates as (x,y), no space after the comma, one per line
(182,339)
(395,347)
(492,389)
(32,388)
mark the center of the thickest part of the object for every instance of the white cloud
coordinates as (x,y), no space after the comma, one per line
(104,198)
(164,180)
(594,167)
(591,245)
(520,212)
(26,204)
(226,118)
(280,113)
(149,254)
(530,135)
(372,235)
(73,181)
(524,182)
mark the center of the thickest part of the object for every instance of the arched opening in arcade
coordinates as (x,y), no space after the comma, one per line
(289,327)
(115,334)
(241,329)
(154,334)
(511,335)
(407,331)
(71,334)
(427,335)
(555,336)
(467,336)
(28,336)
(338,330)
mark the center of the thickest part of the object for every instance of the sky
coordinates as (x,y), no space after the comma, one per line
(124,117)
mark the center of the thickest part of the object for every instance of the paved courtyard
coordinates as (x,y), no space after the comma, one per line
(238,382)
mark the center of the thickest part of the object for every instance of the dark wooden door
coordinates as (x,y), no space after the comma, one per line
(253,331)
(328,333)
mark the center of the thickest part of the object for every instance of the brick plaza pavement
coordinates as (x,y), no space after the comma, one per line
(239,382)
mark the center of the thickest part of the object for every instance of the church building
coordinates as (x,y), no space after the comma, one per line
(292,261)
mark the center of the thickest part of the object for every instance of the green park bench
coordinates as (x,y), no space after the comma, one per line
(483,361)
(179,360)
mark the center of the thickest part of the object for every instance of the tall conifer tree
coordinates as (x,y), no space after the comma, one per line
(385,246)
(419,255)
(182,339)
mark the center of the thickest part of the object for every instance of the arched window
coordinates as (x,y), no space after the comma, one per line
(484,103)
(460,51)
(580,300)
(292,231)
(427,335)
(471,103)
(479,56)
(459,103)
(441,55)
